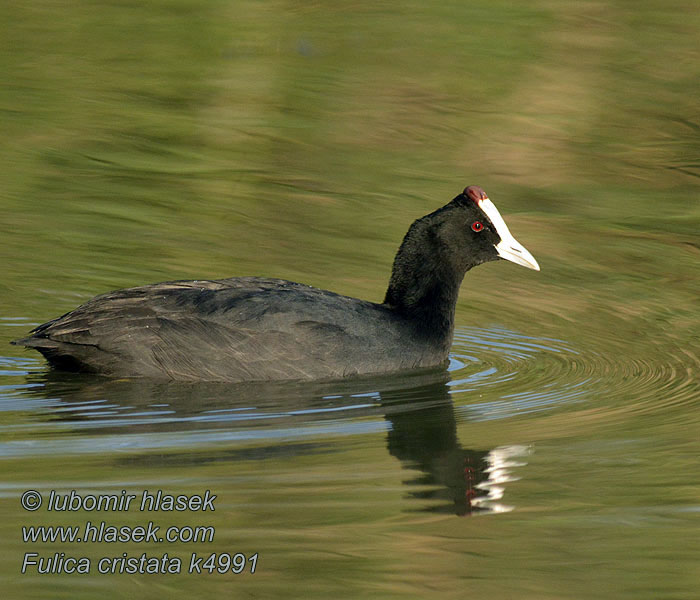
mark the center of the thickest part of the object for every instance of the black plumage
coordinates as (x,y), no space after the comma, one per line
(250,328)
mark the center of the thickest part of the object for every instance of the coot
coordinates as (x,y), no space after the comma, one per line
(250,328)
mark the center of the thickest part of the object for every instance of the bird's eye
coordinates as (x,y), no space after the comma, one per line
(477,226)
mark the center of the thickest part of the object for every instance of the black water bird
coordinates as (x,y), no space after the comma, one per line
(250,328)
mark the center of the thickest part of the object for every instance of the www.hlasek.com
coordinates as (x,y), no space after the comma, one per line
(96,531)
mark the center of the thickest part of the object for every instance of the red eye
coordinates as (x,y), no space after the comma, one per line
(477,226)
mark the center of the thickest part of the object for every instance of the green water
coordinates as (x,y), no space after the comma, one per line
(556,459)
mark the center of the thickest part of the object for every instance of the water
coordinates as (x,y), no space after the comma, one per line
(555,458)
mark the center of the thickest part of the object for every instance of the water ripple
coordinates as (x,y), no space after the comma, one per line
(512,373)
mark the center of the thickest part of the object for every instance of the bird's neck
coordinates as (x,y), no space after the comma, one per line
(424,284)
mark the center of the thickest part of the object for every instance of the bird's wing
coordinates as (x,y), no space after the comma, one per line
(242,328)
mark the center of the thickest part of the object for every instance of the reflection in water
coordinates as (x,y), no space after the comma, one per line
(277,419)
(423,435)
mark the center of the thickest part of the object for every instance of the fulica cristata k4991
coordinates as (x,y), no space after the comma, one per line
(250,328)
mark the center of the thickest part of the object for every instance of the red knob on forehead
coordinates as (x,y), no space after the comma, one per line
(475,193)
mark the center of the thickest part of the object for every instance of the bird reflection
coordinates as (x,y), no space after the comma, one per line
(423,437)
(416,410)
